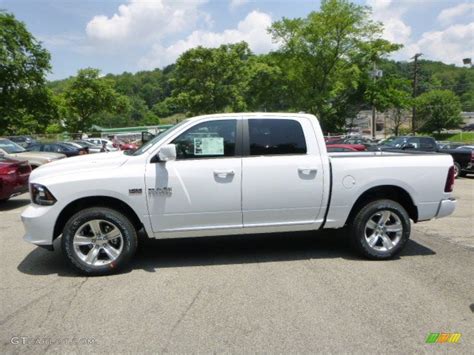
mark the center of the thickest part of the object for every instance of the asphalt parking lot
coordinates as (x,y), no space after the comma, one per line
(296,292)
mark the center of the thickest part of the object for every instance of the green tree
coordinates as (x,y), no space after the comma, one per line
(392,95)
(268,84)
(211,80)
(89,95)
(26,105)
(438,110)
(326,55)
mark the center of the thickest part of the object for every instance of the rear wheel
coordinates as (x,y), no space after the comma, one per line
(98,241)
(380,230)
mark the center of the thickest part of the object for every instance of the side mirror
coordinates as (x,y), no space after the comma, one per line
(167,153)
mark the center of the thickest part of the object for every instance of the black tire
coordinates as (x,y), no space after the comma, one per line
(457,170)
(115,218)
(462,174)
(358,229)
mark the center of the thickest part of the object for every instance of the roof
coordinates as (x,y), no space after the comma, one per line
(130,129)
(252,114)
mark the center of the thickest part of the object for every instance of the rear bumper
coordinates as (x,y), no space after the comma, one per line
(12,187)
(446,207)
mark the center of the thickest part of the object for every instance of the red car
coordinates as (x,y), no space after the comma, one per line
(332,148)
(124,145)
(14,176)
(127,146)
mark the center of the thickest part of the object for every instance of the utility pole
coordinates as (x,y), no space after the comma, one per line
(415,88)
(374,74)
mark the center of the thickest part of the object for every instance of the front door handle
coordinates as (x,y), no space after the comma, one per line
(307,170)
(224,173)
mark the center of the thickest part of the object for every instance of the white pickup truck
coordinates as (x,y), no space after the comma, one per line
(233,174)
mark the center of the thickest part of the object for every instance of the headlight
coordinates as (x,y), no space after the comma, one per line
(41,195)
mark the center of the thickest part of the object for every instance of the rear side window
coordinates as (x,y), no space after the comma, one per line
(427,144)
(270,137)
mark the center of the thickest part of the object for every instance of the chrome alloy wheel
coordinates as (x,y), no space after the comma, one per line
(383,230)
(98,242)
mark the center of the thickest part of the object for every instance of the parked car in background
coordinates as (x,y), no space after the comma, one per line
(23,141)
(469,127)
(449,145)
(78,146)
(333,139)
(102,142)
(461,158)
(127,146)
(14,176)
(360,141)
(93,148)
(12,150)
(469,169)
(63,148)
(334,148)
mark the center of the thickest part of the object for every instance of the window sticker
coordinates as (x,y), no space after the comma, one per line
(209,146)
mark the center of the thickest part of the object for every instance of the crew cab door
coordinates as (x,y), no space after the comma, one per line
(282,182)
(201,189)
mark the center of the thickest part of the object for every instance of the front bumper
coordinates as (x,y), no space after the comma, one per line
(39,224)
(446,207)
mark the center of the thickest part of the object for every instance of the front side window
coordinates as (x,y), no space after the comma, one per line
(415,142)
(34,148)
(267,136)
(211,139)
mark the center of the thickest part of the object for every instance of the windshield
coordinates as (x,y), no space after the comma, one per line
(155,140)
(10,147)
(396,142)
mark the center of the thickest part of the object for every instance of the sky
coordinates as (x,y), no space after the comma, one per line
(132,35)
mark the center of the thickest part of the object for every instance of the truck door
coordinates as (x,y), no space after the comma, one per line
(282,177)
(201,189)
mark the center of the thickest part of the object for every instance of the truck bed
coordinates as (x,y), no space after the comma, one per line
(421,174)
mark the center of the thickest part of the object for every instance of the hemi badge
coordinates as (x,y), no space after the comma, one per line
(135,191)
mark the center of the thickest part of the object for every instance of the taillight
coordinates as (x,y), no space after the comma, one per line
(449,180)
(8,170)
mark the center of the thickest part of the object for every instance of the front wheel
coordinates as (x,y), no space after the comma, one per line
(380,230)
(98,241)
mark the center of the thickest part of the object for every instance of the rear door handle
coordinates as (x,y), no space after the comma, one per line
(224,173)
(307,170)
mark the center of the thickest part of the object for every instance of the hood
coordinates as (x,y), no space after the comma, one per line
(80,164)
(38,155)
